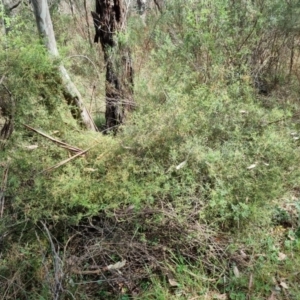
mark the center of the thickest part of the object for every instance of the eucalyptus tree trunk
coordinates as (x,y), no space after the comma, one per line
(71,94)
(109,20)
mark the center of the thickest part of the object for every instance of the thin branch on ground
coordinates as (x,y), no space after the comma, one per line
(62,144)
(65,161)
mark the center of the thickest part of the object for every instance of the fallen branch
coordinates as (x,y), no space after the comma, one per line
(66,161)
(283,119)
(79,272)
(115,266)
(62,144)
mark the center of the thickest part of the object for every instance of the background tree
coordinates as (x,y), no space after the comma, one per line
(110,22)
(201,181)
(71,94)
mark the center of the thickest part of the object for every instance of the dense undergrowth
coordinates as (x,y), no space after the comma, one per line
(196,197)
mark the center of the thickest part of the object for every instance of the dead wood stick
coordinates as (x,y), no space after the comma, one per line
(115,266)
(283,119)
(66,161)
(62,144)
(79,272)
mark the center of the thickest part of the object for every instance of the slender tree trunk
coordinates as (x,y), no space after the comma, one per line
(110,19)
(72,95)
(87,23)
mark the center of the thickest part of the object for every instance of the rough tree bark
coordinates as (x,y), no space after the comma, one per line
(110,19)
(71,94)
(7,112)
(7,102)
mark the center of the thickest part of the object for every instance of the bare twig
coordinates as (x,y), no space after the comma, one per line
(250,285)
(283,119)
(88,59)
(47,275)
(67,243)
(247,37)
(57,264)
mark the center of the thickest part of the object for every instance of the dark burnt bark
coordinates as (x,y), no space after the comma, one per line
(109,19)
(7,112)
